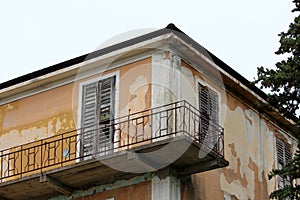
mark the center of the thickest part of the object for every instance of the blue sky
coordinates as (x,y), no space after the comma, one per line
(36,34)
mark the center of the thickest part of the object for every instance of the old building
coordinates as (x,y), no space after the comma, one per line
(154,117)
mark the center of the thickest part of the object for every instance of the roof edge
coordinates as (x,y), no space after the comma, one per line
(170,28)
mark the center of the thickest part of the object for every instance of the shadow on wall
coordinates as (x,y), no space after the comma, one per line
(189,189)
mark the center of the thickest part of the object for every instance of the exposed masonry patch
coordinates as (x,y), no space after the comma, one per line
(106,187)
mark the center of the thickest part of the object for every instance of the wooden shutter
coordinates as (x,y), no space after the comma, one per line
(283,152)
(283,157)
(106,113)
(88,118)
(208,105)
(204,99)
(97,116)
(287,153)
(213,107)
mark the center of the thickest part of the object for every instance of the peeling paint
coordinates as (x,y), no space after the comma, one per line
(106,188)
(260,189)
(37,131)
(249,139)
(3,110)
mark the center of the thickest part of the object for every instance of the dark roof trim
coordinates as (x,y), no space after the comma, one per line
(170,28)
(83,58)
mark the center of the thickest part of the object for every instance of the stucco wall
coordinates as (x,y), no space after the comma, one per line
(131,192)
(55,111)
(36,117)
(249,137)
(249,144)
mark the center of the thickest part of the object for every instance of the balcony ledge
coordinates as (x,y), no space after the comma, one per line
(86,174)
(175,135)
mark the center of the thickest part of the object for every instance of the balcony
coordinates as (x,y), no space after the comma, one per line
(175,135)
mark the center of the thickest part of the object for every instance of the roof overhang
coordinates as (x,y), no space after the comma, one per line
(169,38)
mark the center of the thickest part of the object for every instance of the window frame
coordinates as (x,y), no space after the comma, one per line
(285,147)
(115,74)
(201,83)
(205,84)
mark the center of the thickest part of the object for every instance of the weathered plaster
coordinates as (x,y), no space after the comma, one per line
(36,131)
(135,86)
(248,143)
(188,87)
(3,110)
(94,192)
(37,111)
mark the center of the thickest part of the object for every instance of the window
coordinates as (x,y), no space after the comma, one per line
(97,114)
(283,156)
(209,120)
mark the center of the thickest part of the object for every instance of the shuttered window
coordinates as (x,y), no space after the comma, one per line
(97,116)
(283,156)
(209,110)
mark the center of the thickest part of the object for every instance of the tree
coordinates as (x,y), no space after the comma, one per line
(284,83)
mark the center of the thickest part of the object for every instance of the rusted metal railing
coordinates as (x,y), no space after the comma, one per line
(171,120)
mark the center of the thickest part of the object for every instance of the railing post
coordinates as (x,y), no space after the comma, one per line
(1,163)
(61,156)
(127,134)
(21,160)
(42,156)
(188,120)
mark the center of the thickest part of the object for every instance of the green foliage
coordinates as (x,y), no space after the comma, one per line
(284,83)
(284,80)
(291,172)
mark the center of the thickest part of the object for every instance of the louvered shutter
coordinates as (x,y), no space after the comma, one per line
(283,152)
(204,99)
(106,113)
(213,107)
(283,157)
(97,117)
(288,153)
(208,105)
(204,113)
(88,118)
(280,153)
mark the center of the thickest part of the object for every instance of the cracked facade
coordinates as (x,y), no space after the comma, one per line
(159,71)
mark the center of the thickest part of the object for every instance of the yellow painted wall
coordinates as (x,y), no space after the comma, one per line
(36,117)
(249,138)
(48,114)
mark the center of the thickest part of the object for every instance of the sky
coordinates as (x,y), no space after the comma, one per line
(37,34)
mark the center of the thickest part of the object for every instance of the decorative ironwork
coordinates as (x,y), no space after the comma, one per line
(163,122)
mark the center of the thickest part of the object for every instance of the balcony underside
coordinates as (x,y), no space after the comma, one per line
(180,152)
